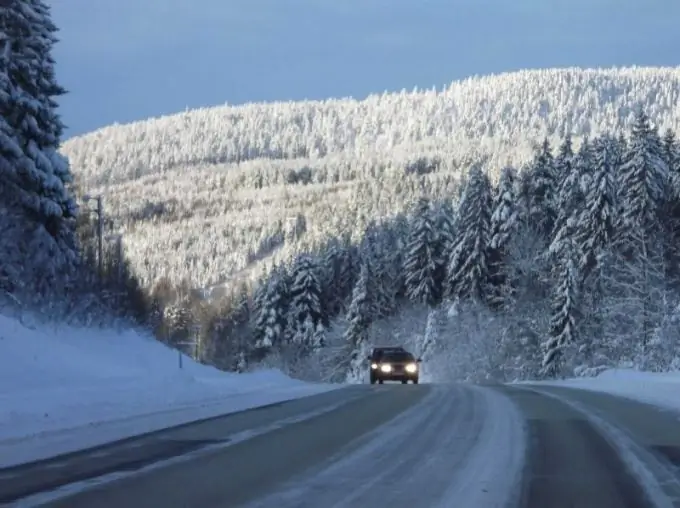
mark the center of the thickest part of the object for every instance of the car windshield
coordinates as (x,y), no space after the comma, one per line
(397,357)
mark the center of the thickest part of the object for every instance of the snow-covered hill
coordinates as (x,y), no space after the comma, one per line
(63,389)
(218,188)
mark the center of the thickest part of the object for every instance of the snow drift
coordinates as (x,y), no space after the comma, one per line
(64,388)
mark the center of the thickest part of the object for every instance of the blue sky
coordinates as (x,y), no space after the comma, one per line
(125,60)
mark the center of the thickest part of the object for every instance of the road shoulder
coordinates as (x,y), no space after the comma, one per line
(569,462)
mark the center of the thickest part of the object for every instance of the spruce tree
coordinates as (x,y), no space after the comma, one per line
(38,179)
(565,309)
(595,228)
(504,225)
(420,261)
(468,265)
(643,178)
(542,191)
(359,318)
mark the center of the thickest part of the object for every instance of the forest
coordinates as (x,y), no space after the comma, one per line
(565,266)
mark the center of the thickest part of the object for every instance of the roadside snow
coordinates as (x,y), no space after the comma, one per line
(659,389)
(63,389)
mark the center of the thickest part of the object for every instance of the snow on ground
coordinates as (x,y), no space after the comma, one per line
(64,389)
(659,389)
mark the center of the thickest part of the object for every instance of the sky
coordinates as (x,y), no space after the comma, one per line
(127,60)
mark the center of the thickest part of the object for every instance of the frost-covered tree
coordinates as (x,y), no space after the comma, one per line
(445,218)
(468,265)
(643,178)
(359,318)
(595,226)
(272,310)
(564,162)
(420,260)
(305,295)
(542,191)
(570,198)
(504,224)
(563,324)
(11,255)
(44,173)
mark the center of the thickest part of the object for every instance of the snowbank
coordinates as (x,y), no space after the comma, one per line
(64,389)
(659,389)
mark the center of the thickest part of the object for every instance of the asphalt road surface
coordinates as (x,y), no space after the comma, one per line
(445,446)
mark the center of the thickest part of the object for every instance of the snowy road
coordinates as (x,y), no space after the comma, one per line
(399,446)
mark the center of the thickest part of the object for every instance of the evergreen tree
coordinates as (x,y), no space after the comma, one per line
(504,225)
(595,228)
(444,219)
(643,183)
(570,196)
(565,310)
(11,255)
(671,151)
(305,294)
(542,191)
(420,261)
(272,314)
(38,177)
(468,266)
(359,319)
(564,162)
(44,173)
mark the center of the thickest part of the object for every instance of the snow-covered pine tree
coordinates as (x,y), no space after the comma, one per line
(643,179)
(570,197)
(270,324)
(420,263)
(671,150)
(595,226)
(42,174)
(563,324)
(319,337)
(359,318)
(542,191)
(564,162)
(305,335)
(504,224)
(468,272)
(305,294)
(381,259)
(331,289)
(34,117)
(393,273)
(11,230)
(671,212)
(444,220)
(433,328)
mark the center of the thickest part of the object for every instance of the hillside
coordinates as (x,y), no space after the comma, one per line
(222,188)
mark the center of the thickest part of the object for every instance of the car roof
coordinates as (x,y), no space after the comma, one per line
(388,348)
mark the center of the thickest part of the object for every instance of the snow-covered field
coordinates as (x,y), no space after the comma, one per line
(64,389)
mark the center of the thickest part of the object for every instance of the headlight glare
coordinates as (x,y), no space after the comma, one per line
(374,366)
(412,368)
(386,367)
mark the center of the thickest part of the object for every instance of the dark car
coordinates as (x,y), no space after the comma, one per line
(393,364)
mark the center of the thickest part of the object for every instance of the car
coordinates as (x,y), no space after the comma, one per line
(393,364)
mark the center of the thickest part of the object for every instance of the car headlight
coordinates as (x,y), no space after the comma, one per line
(386,367)
(374,366)
(412,368)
